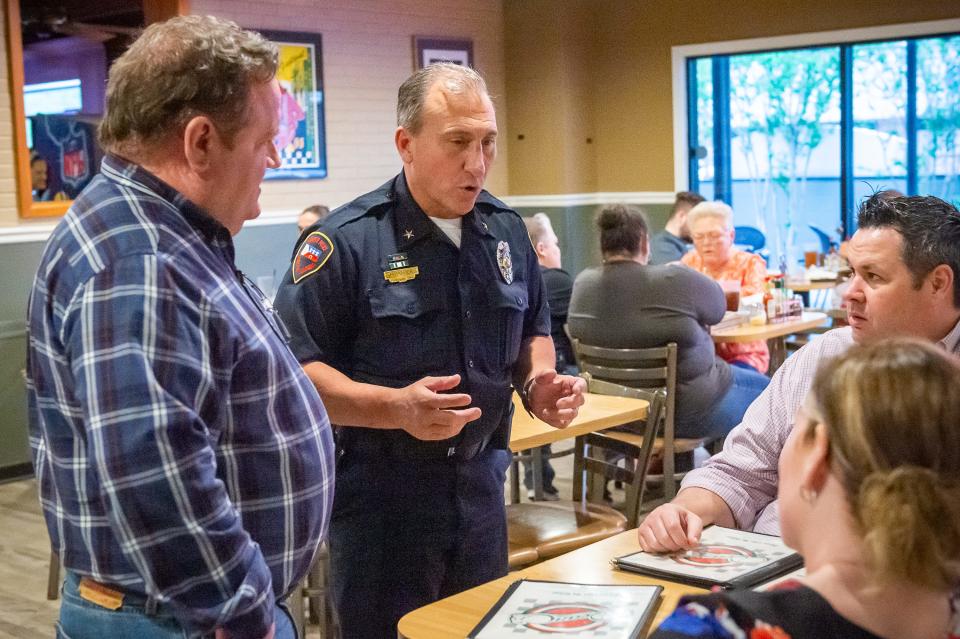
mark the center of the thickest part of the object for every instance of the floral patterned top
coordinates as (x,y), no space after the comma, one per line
(788,611)
(751,271)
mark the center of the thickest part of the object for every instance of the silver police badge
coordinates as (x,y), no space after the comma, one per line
(505,262)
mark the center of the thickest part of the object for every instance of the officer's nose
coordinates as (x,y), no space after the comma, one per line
(476,161)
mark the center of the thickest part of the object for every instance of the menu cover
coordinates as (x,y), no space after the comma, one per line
(725,557)
(531,608)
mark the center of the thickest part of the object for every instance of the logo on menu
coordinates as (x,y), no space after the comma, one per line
(561,618)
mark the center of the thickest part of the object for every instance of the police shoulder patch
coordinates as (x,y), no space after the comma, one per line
(313,253)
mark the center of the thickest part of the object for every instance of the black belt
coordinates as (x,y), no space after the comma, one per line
(401,446)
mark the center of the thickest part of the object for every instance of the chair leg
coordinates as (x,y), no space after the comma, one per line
(297,611)
(53,577)
(515,480)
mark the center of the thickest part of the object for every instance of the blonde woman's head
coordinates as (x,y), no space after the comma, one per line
(891,414)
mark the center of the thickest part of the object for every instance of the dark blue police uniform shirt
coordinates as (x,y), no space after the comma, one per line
(465,311)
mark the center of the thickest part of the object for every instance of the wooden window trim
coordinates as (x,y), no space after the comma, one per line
(153,11)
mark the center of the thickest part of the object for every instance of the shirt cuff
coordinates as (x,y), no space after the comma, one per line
(724,487)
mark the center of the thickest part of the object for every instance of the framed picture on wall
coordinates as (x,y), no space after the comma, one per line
(301,140)
(428,50)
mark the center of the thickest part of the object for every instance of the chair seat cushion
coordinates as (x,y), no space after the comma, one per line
(554,528)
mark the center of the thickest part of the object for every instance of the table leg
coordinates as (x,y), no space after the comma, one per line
(778,353)
(515,480)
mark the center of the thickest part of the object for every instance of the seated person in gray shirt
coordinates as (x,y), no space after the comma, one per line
(627,304)
(672,242)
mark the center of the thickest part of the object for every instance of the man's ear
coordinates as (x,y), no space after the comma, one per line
(941,281)
(200,137)
(404,142)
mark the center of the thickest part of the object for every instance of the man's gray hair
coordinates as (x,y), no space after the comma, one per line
(178,69)
(456,78)
(711,208)
(538,226)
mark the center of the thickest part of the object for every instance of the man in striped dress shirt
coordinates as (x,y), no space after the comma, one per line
(184,459)
(906,282)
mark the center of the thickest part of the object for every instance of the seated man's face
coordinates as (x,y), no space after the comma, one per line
(881,300)
(38,174)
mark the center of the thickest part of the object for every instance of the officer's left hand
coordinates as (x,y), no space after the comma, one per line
(556,399)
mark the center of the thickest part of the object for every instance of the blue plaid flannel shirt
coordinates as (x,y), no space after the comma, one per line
(180,450)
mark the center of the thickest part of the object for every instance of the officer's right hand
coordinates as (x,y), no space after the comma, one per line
(427,413)
(670,527)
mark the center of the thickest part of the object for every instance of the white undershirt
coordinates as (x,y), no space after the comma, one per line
(452,228)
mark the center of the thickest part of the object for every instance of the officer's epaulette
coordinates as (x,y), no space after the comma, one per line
(488,204)
(359,207)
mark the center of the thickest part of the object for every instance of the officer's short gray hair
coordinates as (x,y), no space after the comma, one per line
(178,69)
(413,92)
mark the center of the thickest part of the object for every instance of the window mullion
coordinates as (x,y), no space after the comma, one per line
(722,178)
(912,146)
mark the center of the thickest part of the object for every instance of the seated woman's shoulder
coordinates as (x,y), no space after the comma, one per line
(770,614)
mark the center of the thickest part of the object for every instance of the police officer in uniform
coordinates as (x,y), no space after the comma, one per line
(416,310)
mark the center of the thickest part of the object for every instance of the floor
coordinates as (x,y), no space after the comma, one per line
(25,612)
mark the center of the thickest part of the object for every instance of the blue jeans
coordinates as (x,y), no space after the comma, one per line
(81,619)
(728,412)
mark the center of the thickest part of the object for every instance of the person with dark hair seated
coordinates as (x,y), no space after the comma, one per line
(673,241)
(873,458)
(627,304)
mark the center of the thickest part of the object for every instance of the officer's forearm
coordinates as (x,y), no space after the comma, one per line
(536,355)
(350,402)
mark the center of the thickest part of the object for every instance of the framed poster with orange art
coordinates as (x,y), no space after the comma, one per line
(301,139)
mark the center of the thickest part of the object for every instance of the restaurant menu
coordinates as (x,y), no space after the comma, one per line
(725,557)
(532,608)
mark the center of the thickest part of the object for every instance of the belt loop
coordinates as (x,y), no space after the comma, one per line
(150,608)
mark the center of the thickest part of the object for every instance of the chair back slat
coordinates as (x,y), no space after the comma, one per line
(649,368)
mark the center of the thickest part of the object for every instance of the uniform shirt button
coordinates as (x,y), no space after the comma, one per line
(518,300)
(470,363)
(411,308)
(467,314)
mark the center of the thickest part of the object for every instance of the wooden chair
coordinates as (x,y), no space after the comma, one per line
(646,368)
(554,528)
(314,589)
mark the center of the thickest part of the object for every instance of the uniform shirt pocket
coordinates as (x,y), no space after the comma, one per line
(407,335)
(510,303)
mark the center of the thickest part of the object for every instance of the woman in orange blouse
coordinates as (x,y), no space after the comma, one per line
(711,227)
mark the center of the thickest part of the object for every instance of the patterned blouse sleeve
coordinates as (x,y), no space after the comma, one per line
(754,274)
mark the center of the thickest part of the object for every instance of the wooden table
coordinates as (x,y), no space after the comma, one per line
(597,413)
(775,334)
(454,617)
(805,286)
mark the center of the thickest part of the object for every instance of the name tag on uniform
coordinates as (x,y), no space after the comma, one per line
(399,275)
(100,595)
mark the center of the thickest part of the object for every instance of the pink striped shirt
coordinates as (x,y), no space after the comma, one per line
(744,473)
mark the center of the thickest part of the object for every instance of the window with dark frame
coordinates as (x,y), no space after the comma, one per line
(795,138)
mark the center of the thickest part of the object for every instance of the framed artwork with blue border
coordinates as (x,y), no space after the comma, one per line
(428,50)
(301,140)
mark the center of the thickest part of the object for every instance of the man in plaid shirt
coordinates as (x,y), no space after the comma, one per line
(184,459)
